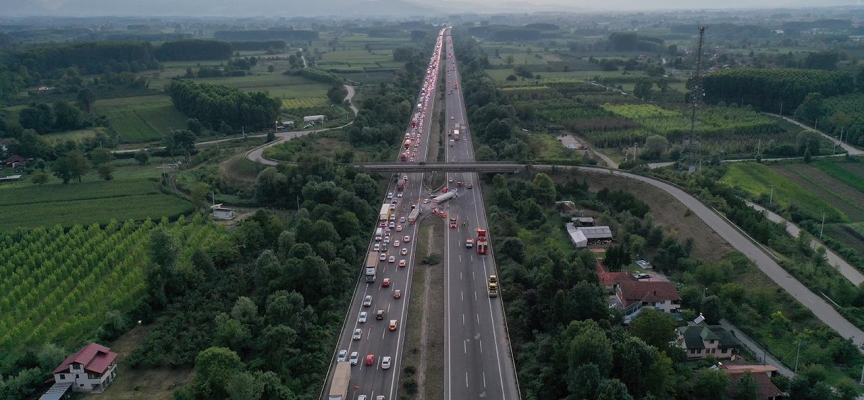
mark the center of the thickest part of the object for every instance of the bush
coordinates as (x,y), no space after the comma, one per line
(512,77)
(410,386)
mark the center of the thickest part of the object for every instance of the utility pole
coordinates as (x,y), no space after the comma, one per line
(771,198)
(823,225)
(781,107)
(797,355)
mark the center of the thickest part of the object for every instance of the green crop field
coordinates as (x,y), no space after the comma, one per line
(58,285)
(142,118)
(851,174)
(757,179)
(843,197)
(133,193)
(73,135)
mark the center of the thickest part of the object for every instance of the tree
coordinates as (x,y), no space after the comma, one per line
(142,157)
(71,166)
(543,189)
(812,107)
(85,99)
(509,60)
(655,146)
(164,251)
(642,89)
(38,117)
(215,367)
(39,178)
(100,156)
(245,386)
(194,125)
(747,389)
(198,195)
(711,309)
(106,171)
(613,389)
(271,68)
(66,117)
(655,328)
(180,141)
(710,384)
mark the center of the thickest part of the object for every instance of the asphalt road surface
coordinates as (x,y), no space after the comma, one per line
(479,362)
(376,338)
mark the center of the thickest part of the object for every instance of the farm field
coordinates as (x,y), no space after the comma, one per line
(73,135)
(324,144)
(842,197)
(141,119)
(756,179)
(850,235)
(59,285)
(850,173)
(133,193)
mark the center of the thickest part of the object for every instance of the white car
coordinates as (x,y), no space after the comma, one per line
(399,195)
(398,228)
(358,334)
(401,220)
(342,355)
(367,301)
(389,196)
(404,252)
(385,362)
(353,358)
(362,318)
(382,257)
(376,247)
(406,239)
(392,225)
(392,260)
(396,243)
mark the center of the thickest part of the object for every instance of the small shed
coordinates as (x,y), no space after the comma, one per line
(584,221)
(222,213)
(576,236)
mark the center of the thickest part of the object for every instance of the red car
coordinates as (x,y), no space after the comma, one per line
(385,282)
(370,360)
(397,294)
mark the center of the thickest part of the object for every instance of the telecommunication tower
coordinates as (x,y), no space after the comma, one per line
(696,97)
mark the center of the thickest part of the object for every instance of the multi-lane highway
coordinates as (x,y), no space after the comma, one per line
(375,338)
(479,363)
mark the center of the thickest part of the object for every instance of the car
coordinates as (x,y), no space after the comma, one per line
(385,243)
(343,354)
(362,397)
(392,326)
(392,259)
(362,317)
(393,218)
(399,195)
(396,243)
(389,196)
(392,207)
(370,360)
(385,362)
(358,334)
(379,315)
(452,117)
(380,397)
(394,201)
(450,180)
(353,358)
(391,225)
(397,294)
(398,228)
(385,282)
(402,263)
(367,301)
(376,247)
(406,239)
(404,252)
(401,220)
(411,160)
(470,186)
(425,201)
(382,257)
(643,276)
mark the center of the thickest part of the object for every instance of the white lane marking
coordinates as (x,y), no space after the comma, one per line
(484,379)
(480,343)
(466,379)
(460,272)
(478,318)
(462,294)
(463,319)
(465,345)
(475,296)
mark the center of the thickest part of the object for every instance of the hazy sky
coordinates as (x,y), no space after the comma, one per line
(289,8)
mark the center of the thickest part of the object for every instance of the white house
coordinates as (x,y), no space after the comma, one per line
(223,213)
(91,369)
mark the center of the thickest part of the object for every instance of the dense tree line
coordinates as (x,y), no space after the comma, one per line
(194,49)
(632,41)
(264,35)
(316,75)
(254,45)
(214,105)
(89,57)
(267,303)
(771,89)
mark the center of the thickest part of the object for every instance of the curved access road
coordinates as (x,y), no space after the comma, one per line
(257,154)
(824,311)
(849,149)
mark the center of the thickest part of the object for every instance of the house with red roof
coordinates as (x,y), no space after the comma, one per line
(658,295)
(761,373)
(91,369)
(610,279)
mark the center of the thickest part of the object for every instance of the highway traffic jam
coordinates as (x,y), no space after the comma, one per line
(372,345)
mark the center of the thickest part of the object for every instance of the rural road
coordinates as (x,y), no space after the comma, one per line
(283,136)
(820,308)
(849,149)
(849,272)
(257,154)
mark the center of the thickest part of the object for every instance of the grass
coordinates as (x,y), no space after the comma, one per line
(846,199)
(141,119)
(77,136)
(756,179)
(133,194)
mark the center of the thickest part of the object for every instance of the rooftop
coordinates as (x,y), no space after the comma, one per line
(695,335)
(596,232)
(95,358)
(650,291)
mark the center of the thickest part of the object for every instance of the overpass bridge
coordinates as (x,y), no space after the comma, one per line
(500,167)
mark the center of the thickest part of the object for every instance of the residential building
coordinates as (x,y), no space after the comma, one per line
(761,373)
(658,295)
(91,369)
(610,280)
(223,213)
(703,341)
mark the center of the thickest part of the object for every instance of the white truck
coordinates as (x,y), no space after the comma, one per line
(371,266)
(339,384)
(444,197)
